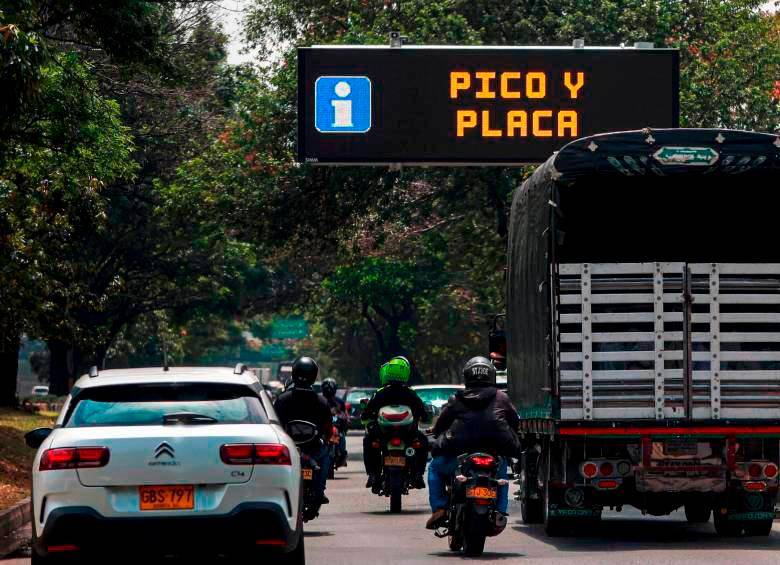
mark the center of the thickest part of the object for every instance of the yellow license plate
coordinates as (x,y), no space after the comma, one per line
(308,474)
(177,497)
(481,492)
(395,461)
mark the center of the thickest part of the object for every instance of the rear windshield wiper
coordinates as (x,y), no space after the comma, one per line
(188,418)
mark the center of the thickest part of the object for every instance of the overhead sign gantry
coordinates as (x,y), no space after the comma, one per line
(474,105)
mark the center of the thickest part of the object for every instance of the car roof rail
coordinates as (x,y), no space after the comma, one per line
(93,372)
(240,368)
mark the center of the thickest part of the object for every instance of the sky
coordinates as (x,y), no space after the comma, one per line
(232,14)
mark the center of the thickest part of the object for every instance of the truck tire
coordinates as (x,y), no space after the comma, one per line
(761,528)
(726,528)
(697,513)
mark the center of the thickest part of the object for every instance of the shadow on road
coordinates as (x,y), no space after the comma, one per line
(402,513)
(644,534)
(317,534)
(487,556)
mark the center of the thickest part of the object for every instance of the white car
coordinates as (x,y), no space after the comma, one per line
(187,461)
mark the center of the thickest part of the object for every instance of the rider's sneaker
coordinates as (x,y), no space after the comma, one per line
(419,482)
(435,519)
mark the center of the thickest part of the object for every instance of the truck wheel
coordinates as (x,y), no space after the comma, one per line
(697,513)
(531,511)
(726,528)
(762,528)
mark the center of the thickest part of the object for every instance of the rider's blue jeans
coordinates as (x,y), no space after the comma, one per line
(323,460)
(440,472)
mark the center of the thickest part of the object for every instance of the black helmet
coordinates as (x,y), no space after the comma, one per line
(304,372)
(479,371)
(329,387)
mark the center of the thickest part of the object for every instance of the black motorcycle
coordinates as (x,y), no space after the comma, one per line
(398,445)
(338,456)
(472,515)
(306,438)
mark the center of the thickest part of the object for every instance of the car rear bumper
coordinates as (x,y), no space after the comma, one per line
(252,525)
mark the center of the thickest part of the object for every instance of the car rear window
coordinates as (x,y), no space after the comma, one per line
(436,396)
(155,404)
(355,396)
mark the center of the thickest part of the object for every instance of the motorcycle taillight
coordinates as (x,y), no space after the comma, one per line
(483,461)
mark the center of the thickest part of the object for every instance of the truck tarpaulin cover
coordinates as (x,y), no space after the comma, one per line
(663,195)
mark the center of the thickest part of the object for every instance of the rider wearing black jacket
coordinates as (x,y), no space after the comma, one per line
(393,375)
(302,403)
(479,418)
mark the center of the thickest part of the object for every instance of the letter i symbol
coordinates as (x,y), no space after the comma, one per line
(342,109)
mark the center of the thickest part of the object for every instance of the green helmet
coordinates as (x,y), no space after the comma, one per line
(397,369)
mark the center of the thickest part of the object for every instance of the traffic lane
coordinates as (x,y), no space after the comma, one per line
(357,528)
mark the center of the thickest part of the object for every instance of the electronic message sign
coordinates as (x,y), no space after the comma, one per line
(474,105)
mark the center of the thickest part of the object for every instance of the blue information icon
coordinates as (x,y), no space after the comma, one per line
(342,104)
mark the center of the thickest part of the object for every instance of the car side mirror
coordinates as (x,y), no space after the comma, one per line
(36,437)
(497,344)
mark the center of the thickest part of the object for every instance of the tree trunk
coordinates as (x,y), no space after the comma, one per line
(9,368)
(59,372)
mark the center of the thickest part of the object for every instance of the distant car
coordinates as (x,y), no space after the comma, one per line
(40,390)
(188,461)
(435,397)
(354,408)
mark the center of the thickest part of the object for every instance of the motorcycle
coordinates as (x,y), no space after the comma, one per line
(398,446)
(307,440)
(472,515)
(338,456)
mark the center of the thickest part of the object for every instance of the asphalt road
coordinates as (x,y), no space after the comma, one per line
(356,528)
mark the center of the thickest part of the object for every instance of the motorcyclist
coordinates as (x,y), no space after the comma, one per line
(393,377)
(337,408)
(300,402)
(478,418)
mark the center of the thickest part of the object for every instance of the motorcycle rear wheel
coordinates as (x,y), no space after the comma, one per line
(473,542)
(396,491)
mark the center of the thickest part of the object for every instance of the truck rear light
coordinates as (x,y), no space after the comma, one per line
(754,470)
(257,454)
(755,485)
(607,484)
(74,458)
(483,461)
(271,542)
(770,470)
(589,470)
(624,468)
(606,469)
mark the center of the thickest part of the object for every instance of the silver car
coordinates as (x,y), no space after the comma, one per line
(187,461)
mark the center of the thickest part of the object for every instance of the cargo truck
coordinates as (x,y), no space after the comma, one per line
(643,329)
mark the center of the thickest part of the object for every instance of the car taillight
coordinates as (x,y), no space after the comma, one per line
(483,461)
(272,454)
(74,458)
(770,470)
(395,442)
(754,470)
(258,454)
(589,470)
(606,469)
(347,406)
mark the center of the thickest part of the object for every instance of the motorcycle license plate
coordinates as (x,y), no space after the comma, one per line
(395,461)
(308,474)
(176,497)
(481,492)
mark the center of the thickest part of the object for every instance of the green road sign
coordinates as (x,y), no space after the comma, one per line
(692,156)
(274,352)
(289,328)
